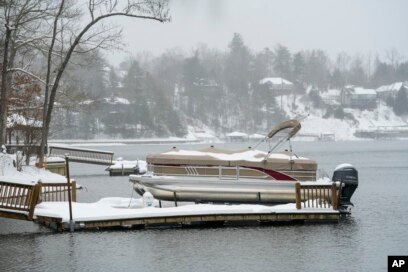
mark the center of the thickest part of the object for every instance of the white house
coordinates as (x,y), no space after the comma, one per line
(237,136)
(386,91)
(331,97)
(358,97)
(277,84)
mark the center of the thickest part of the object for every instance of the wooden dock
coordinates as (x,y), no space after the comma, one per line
(196,220)
(314,203)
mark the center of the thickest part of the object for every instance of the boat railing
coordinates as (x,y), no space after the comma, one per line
(317,196)
(222,172)
(225,172)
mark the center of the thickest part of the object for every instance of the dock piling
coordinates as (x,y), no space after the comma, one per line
(71,222)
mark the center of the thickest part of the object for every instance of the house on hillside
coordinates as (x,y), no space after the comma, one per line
(331,97)
(358,97)
(206,84)
(237,136)
(391,90)
(280,85)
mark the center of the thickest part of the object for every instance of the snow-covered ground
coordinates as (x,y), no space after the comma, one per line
(28,174)
(344,129)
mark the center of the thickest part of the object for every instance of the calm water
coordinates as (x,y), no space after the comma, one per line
(378,226)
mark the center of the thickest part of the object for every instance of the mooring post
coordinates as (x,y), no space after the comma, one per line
(71,222)
(334,199)
(298,196)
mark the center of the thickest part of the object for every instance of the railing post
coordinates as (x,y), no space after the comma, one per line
(334,199)
(74,195)
(36,191)
(71,222)
(298,196)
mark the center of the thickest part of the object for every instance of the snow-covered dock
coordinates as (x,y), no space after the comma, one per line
(124,212)
(121,167)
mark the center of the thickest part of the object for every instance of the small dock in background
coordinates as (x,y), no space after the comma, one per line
(82,155)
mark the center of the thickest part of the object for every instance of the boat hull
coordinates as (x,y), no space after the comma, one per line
(214,190)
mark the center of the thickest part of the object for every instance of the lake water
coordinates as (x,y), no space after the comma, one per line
(378,226)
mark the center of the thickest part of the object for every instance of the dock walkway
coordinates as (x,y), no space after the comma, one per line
(47,204)
(100,215)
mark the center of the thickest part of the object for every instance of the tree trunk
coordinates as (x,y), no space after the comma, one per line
(4,88)
(44,129)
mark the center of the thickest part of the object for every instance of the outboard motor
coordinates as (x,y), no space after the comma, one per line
(348,176)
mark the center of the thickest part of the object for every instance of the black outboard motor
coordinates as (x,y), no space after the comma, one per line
(348,176)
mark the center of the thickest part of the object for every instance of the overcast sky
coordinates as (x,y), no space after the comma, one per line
(353,26)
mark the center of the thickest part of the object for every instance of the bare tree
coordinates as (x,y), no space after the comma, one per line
(393,57)
(25,22)
(88,37)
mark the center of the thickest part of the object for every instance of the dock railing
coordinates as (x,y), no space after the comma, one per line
(82,155)
(56,192)
(18,201)
(317,196)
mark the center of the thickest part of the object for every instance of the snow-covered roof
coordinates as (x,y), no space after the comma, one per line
(17,119)
(395,87)
(237,134)
(275,81)
(256,136)
(203,135)
(362,91)
(332,92)
(114,100)
(86,102)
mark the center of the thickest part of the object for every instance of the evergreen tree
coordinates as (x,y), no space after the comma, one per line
(237,79)
(133,88)
(401,102)
(383,73)
(317,68)
(113,80)
(193,74)
(357,74)
(299,67)
(283,62)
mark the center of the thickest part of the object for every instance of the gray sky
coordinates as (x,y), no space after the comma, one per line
(353,26)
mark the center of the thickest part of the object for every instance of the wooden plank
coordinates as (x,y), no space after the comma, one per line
(169,221)
(34,199)
(74,192)
(298,196)
(13,215)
